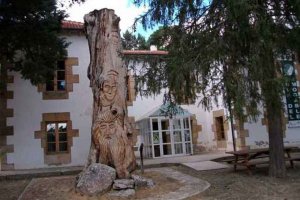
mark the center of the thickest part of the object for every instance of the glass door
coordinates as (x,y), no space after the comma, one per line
(170,136)
(166,138)
(187,135)
(156,141)
(177,136)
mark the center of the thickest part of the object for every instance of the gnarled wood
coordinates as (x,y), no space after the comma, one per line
(111,144)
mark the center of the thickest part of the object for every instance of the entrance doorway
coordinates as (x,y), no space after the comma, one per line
(170,136)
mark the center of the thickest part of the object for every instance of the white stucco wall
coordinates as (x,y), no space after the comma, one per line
(258,135)
(28,107)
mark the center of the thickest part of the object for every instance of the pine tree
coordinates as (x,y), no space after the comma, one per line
(130,41)
(230,48)
(29,37)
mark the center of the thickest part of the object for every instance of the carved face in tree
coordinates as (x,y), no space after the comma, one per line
(109,88)
(108,129)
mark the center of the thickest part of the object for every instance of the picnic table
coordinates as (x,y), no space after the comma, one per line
(252,157)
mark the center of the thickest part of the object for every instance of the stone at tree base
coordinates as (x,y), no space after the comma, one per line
(140,181)
(117,194)
(96,179)
(121,184)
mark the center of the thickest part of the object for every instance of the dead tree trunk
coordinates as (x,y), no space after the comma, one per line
(110,128)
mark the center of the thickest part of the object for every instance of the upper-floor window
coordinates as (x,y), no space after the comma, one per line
(58,79)
(61,82)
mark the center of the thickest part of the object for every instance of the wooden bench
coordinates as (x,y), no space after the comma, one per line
(251,158)
(252,163)
(231,159)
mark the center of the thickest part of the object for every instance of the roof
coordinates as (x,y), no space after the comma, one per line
(145,52)
(162,111)
(72,25)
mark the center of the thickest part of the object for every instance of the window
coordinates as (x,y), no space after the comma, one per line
(58,80)
(57,140)
(61,82)
(220,128)
(56,135)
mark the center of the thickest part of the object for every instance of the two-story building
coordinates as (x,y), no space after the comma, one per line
(50,124)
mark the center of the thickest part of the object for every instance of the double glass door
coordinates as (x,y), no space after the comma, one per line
(170,136)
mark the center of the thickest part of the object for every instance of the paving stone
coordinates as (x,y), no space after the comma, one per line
(121,184)
(205,165)
(191,185)
(122,193)
(140,181)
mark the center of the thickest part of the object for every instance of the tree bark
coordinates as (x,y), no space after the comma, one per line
(111,133)
(277,162)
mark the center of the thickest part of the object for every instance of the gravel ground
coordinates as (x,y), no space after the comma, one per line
(225,184)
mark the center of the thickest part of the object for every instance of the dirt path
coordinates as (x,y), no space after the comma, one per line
(225,184)
(10,190)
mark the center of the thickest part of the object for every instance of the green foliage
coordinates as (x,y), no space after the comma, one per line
(226,48)
(29,37)
(160,38)
(130,41)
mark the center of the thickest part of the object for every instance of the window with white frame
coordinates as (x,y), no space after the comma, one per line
(171,136)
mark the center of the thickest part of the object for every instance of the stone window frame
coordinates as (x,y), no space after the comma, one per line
(56,158)
(57,136)
(70,79)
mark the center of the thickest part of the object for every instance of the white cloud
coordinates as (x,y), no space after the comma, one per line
(125,10)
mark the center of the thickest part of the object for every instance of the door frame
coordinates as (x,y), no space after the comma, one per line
(171,130)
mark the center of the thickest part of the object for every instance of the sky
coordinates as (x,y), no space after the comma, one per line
(123,8)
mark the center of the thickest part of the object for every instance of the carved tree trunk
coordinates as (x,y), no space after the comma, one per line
(111,142)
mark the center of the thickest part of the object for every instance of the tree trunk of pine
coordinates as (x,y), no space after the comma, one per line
(111,144)
(277,162)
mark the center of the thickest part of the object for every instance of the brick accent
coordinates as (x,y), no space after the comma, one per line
(242,133)
(10,79)
(196,129)
(9,95)
(131,93)
(57,158)
(5,112)
(70,80)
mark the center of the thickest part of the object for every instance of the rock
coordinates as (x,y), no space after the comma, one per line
(96,179)
(140,181)
(121,184)
(122,193)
